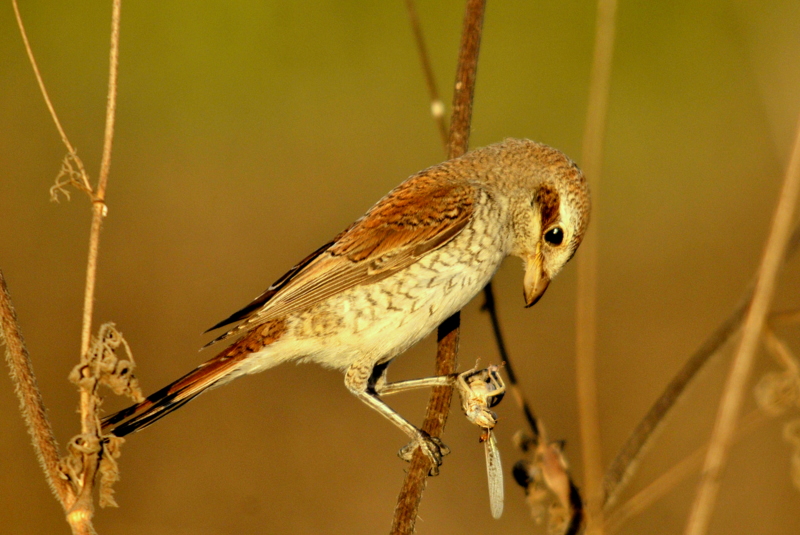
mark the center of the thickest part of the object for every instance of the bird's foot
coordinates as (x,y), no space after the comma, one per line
(433,448)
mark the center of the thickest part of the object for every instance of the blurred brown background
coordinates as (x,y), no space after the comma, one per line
(248,133)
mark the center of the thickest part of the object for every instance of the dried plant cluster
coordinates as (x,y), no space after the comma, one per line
(551,493)
(101,366)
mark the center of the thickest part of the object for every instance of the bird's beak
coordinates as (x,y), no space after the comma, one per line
(536,280)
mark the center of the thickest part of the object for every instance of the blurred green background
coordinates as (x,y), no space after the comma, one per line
(248,133)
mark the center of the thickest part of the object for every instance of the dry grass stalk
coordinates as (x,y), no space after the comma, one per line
(90,444)
(30,400)
(672,477)
(405,514)
(78,177)
(586,306)
(734,392)
(625,463)
(546,475)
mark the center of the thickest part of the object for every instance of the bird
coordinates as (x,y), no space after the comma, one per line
(419,255)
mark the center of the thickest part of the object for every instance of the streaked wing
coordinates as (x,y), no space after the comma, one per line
(494,473)
(422,214)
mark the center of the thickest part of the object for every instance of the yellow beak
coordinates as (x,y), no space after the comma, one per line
(536,280)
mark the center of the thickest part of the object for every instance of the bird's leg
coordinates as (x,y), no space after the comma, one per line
(361,379)
(386,389)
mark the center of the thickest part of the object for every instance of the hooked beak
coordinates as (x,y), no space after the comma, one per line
(536,280)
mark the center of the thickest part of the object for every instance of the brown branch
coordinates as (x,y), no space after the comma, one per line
(466,74)
(586,306)
(733,394)
(573,502)
(30,399)
(446,358)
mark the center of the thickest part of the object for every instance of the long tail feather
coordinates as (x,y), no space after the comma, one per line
(171,397)
(219,370)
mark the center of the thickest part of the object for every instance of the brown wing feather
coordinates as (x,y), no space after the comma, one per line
(420,215)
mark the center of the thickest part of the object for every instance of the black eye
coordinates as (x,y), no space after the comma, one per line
(554,236)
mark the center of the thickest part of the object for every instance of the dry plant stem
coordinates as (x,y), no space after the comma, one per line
(405,514)
(437,106)
(30,399)
(624,465)
(734,392)
(576,501)
(677,473)
(90,422)
(98,206)
(466,74)
(586,321)
(64,139)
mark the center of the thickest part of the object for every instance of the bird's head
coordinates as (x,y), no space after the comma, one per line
(549,209)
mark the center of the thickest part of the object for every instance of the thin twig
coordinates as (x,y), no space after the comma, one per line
(677,473)
(446,358)
(90,421)
(733,394)
(437,106)
(586,306)
(99,208)
(73,153)
(30,399)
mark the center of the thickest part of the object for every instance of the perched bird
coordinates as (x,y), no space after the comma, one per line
(414,259)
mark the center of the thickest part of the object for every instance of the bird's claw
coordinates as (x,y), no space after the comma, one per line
(433,448)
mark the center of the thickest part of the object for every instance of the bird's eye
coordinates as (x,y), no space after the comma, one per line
(554,236)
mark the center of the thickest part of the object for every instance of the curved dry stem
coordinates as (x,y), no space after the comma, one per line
(405,514)
(586,306)
(734,392)
(624,465)
(672,477)
(516,390)
(437,106)
(72,153)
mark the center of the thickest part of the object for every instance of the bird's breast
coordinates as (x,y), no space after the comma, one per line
(382,319)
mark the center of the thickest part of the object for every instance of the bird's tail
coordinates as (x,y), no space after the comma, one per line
(219,370)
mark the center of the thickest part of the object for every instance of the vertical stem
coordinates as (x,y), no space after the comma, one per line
(84,506)
(734,392)
(586,320)
(99,208)
(465,78)
(405,514)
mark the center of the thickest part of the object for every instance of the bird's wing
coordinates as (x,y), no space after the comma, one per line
(420,215)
